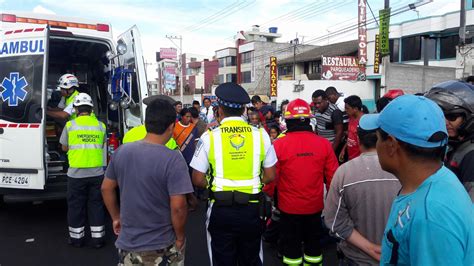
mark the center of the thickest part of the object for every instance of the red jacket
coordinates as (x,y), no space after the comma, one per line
(305,162)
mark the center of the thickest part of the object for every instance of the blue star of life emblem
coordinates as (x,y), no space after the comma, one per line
(14,89)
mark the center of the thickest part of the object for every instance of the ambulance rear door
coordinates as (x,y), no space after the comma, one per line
(23,68)
(132,60)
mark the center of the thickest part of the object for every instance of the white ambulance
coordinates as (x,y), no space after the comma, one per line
(35,50)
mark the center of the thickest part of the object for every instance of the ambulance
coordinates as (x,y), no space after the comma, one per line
(35,50)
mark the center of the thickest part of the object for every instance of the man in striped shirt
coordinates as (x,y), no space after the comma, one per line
(329,119)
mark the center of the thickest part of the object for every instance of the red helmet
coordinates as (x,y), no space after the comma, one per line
(392,94)
(298,108)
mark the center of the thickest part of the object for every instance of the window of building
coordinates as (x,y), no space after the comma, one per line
(221,79)
(230,61)
(447,46)
(247,77)
(221,62)
(247,57)
(394,45)
(431,46)
(285,70)
(411,48)
(312,67)
(231,77)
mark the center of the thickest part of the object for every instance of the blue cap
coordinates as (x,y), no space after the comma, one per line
(412,119)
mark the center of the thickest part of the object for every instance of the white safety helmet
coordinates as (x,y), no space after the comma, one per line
(82,99)
(68,81)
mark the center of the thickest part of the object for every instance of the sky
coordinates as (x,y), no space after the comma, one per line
(207,25)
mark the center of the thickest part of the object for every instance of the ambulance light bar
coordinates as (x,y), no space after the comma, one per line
(14,19)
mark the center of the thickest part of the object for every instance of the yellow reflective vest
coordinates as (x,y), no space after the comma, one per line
(236,157)
(86,137)
(139,133)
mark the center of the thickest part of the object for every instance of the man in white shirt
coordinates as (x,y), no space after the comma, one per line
(207,110)
(336,98)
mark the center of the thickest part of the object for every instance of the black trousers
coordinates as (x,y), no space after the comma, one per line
(297,229)
(84,200)
(234,235)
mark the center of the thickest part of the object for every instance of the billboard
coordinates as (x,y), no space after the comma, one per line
(168,53)
(273,76)
(169,76)
(342,68)
(384,16)
(362,11)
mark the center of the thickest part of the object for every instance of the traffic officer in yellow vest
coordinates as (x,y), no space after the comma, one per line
(68,84)
(239,159)
(84,140)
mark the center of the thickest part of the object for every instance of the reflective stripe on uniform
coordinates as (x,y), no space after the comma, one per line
(76,232)
(292,261)
(85,146)
(311,259)
(97,231)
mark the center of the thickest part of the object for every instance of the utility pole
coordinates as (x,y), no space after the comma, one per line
(295,43)
(180,62)
(462,24)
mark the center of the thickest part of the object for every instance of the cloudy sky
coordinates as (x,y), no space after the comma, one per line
(208,25)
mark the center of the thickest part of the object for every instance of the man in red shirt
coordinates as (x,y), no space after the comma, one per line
(354,109)
(305,162)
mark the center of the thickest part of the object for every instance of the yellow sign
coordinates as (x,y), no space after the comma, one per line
(273,76)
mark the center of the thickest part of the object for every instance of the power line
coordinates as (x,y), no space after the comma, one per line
(209,17)
(341,31)
(224,14)
(296,16)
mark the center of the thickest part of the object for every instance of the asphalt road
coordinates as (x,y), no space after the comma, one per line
(36,234)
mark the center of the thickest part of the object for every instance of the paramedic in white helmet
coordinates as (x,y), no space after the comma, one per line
(83,139)
(68,84)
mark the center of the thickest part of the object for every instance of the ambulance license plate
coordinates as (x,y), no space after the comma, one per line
(14,179)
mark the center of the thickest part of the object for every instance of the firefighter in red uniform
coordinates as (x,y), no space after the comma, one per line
(305,162)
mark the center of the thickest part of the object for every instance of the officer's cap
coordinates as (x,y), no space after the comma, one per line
(232,95)
(150,99)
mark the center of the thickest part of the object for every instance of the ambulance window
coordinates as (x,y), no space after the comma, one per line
(21,81)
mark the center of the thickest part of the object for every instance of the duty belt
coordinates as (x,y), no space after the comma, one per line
(230,198)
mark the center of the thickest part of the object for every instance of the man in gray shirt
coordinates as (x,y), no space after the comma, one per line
(358,204)
(153,182)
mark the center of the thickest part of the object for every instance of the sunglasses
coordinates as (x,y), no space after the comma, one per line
(452,117)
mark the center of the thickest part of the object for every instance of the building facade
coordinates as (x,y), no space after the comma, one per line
(422,52)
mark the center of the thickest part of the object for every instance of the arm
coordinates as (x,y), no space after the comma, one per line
(179,211)
(466,169)
(269,174)
(343,152)
(110,200)
(339,134)
(338,122)
(199,179)
(58,114)
(365,245)
(64,148)
(336,213)
(330,166)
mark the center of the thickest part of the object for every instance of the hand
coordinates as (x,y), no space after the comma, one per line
(116,226)
(341,155)
(180,244)
(374,251)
